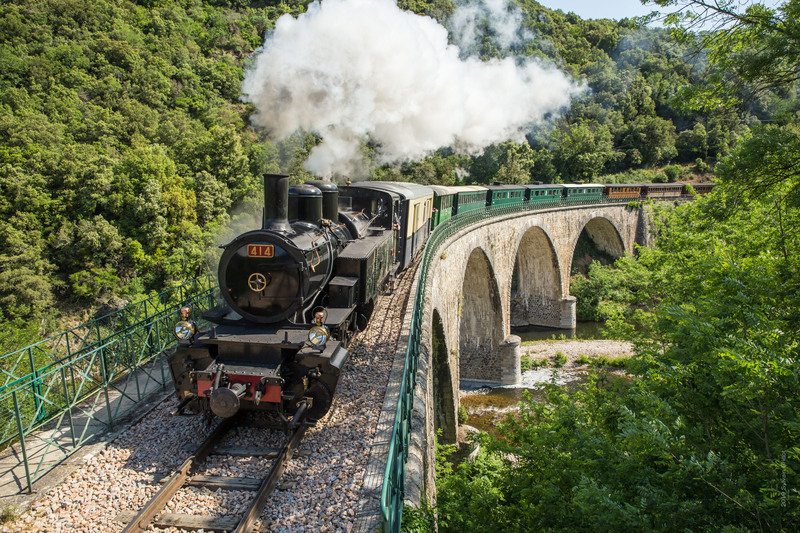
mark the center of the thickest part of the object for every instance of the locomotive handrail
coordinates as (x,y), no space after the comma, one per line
(392,492)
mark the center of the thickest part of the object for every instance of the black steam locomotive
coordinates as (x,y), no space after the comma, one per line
(293,293)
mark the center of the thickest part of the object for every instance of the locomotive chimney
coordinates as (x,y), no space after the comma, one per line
(276,203)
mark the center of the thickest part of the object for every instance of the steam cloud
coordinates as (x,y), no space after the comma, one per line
(473,18)
(352,70)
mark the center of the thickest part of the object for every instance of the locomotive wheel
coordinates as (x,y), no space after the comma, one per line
(322,397)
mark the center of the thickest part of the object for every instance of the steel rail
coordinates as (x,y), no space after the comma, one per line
(141,521)
(182,477)
(268,485)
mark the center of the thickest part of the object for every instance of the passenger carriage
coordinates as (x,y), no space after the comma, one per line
(543,193)
(586,192)
(505,195)
(663,190)
(469,198)
(624,191)
(701,188)
(443,202)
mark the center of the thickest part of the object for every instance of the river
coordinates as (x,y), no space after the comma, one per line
(487,406)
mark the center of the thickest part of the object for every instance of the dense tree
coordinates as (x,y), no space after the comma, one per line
(705,434)
(582,150)
(693,143)
(123,119)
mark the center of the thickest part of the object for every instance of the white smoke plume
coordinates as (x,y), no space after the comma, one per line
(499,18)
(356,70)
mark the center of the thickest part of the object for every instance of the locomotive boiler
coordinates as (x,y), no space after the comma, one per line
(294,292)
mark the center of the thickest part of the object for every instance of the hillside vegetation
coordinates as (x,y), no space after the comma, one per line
(124,147)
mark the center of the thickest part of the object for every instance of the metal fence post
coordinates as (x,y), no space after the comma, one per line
(21,431)
(104,372)
(68,406)
(36,387)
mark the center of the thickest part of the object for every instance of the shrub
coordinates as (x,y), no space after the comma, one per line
(463,415)
(674,172)
(701,167)
(7,514)
(529,363)
(559,359)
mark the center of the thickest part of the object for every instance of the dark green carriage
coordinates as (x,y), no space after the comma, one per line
(544,194)
(506,195)
(576,193)
(443,202)
(469,198)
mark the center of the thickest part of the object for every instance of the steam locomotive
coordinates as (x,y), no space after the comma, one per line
(295,291)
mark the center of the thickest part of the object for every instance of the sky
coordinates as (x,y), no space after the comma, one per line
(614,9)
(594,9)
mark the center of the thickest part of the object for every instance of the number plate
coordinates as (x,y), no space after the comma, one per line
(260,250)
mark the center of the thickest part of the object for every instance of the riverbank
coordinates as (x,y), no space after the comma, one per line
(560,362)
(576,352)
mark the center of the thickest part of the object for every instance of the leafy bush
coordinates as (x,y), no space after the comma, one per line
(124,144)
(463,415)
(674,173)
(529,363)
(7,514)
(701,167)
(559,359)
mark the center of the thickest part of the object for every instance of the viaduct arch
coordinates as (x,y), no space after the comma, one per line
(510,270)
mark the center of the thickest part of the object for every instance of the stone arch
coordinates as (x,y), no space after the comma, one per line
(480,321)
(604,234)
(444,397)
(536,286)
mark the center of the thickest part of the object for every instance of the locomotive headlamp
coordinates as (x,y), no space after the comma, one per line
(184,330)
(318,336)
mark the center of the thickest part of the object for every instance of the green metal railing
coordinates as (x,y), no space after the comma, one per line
(66,386)
(392,493)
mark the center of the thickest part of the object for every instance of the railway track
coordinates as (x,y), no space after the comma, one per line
(187,475)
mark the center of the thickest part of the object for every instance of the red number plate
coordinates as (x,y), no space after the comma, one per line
(260,250)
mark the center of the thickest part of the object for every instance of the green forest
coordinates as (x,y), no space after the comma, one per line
(126,152)
(125,148)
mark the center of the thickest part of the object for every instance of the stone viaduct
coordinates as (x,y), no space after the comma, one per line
(509,270)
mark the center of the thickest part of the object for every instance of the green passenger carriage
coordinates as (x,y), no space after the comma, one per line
(469,198)
(544,193)
(583,192)
(443,202)
(504,195)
